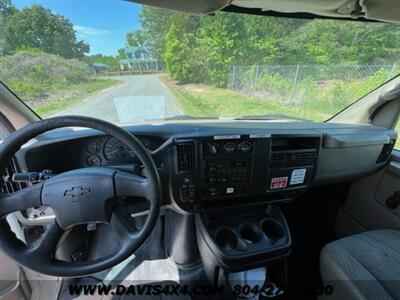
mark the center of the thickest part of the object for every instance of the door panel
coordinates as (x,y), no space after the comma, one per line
(9,276)
(366,206)
(12,276)
(389,188)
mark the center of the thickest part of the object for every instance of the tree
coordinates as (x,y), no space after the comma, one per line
(265,37)
(6,8)
(378,43)
(155,24)
(121,54)
(182,56)
(136,38)
(204,48)
(37,27)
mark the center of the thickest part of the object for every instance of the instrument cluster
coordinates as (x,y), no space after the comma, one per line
(108,150)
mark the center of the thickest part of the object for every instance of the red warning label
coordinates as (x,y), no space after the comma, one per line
(279,182)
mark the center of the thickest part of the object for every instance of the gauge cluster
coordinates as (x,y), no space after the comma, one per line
(108,150)
(228,147)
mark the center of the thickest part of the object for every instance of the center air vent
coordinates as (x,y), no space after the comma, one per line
(185,157)
(283,160)
(6,183)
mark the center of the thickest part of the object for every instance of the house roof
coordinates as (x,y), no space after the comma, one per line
(127,61)
(134,49)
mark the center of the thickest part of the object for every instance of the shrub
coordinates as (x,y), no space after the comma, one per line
(318,90)
(30,74)
(275,85)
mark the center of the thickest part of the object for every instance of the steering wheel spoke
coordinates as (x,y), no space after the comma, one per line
(131,185)
(46,248)
(23,199)
(122,224)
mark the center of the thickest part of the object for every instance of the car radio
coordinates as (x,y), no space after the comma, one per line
(227,167)
(227,177)
(216,168)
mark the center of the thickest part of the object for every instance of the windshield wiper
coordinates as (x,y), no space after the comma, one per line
(255,117)
(270,117)
(188,117)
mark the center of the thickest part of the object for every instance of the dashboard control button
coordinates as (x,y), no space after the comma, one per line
(213,192)
(191,193)
(212,148)
(229,147)
(187,192)
(212,169)
(187,180)
(245,147)
(183,193)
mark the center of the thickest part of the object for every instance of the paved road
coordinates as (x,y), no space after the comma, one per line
(136,98)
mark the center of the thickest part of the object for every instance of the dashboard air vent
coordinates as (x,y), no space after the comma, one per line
(185,157)
(283,160)
(294,143)
(386,152)
(6,183)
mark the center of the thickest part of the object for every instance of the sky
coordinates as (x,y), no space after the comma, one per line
(101,23)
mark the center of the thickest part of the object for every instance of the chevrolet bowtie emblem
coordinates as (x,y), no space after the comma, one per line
(77,191)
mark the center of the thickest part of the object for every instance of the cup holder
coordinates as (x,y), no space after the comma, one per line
(272,230)
(226,238)
(250,234)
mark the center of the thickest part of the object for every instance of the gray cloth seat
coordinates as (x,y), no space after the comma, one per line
(363,266)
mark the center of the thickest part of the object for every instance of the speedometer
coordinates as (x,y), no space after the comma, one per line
(114,149)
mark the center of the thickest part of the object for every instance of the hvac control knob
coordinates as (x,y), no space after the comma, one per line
(212,148)
(245,147)
(229,147)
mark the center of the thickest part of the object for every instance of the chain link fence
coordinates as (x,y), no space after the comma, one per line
(328,86)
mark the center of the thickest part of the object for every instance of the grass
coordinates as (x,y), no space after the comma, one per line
(203,100)
(63,99)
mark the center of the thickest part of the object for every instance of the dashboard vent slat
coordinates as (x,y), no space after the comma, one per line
(6,183)
(282,160)
(185,157)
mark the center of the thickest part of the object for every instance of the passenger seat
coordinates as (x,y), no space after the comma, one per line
(363,266)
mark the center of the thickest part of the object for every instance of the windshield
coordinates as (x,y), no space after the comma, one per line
(127,63)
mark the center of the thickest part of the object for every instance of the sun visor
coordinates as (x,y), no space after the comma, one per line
(380,10)
(384,10)
(192,7)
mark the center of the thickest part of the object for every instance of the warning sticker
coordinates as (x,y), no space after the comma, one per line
(298,176)
(279,182)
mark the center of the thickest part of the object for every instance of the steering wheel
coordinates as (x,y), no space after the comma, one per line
(87,195)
